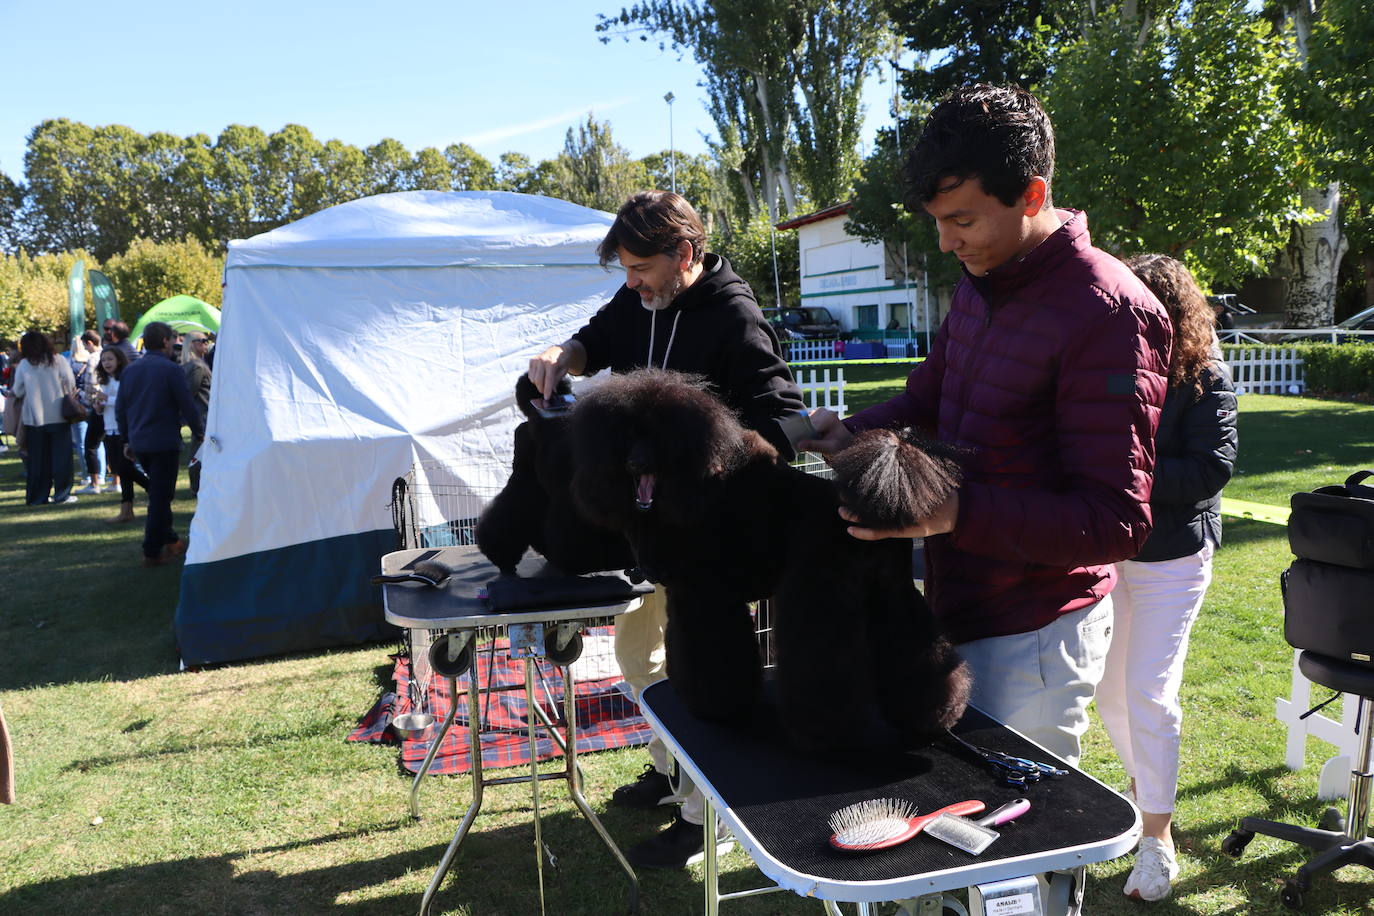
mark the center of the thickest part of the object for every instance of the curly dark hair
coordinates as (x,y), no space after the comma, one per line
(1194,322)
(121,360)
(997,134)
(653,222)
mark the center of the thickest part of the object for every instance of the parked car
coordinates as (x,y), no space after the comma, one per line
(1360,321)
(812,322)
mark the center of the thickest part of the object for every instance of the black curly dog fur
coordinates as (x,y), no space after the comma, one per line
(535,508)
(711,513)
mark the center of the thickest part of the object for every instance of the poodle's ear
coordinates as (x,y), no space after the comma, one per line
(893,479)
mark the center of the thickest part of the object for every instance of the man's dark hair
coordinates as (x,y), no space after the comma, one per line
(119,331)
(997,134)
(156,334)
(653,222)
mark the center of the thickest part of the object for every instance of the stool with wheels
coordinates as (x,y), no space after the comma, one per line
(1341,840)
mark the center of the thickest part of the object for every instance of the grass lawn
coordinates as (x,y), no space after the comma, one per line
(143,790)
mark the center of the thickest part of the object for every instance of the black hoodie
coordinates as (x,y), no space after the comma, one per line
(717,331)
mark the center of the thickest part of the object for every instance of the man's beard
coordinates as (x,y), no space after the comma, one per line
(662,300)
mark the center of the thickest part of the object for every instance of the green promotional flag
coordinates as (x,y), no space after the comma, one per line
(76,299)
(103,292)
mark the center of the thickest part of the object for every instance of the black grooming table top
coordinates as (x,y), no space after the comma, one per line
(778,802)
(459,604)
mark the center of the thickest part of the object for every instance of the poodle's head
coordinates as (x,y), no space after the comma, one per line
(651,441)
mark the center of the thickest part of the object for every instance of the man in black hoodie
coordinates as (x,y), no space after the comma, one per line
(680,308)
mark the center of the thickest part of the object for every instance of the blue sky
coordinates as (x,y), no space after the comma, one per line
(499,76)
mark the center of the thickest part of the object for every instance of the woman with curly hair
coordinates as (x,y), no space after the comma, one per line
(112,363)
(1159,592)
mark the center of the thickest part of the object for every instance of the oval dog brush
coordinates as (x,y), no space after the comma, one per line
(881,823)
(426,572)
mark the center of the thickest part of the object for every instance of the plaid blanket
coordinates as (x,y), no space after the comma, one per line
(606,716)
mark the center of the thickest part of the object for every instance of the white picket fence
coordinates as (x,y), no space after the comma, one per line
(1269,371)
(822,387)
(810,351)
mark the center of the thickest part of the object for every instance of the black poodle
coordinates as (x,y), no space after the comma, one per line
(712,514)
(535,508)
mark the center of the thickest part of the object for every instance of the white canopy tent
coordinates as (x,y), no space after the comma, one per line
(356,343)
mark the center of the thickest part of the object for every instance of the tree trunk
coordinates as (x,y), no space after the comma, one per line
(1312,261)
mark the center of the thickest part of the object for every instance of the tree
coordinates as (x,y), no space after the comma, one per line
(33,291)
(784,78)
(1172,135)
(595,171)
(152,271)
(751,247)
(1331,40)
(11,196)
(470,170)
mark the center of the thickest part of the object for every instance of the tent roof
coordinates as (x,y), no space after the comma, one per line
(432,229)
(185,313)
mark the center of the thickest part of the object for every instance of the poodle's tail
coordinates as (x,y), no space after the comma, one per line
(894,478)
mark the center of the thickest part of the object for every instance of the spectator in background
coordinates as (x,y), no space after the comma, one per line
(119,335)
(198,374)
(106,396)
(42,379)
(1159,593)
(154,400)
(88,434)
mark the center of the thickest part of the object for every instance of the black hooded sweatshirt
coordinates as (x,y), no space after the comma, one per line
(715,329)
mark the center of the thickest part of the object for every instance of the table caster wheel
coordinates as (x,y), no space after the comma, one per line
(443,665)
(1291,895)
(1235,844)
(1332,819)
(565,656)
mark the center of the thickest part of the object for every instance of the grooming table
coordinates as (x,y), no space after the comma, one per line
(458,610)
(777,802)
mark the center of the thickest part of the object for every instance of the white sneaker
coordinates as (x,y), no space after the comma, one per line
(1155,869)
(69,499)
(89,488)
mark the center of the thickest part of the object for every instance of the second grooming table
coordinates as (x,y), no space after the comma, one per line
(777,801)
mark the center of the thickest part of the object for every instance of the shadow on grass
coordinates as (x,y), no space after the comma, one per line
(494,872)
(1296,440)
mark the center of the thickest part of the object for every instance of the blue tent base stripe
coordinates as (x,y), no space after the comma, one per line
(293,599)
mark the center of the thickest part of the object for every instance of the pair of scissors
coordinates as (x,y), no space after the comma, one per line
(1014,771)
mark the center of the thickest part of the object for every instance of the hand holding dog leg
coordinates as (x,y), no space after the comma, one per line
(549,367)
(831,434)
(941,521)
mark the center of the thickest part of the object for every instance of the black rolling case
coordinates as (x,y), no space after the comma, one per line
(1328,592)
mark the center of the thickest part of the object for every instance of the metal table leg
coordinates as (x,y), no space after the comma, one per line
(475,749)
(434,745)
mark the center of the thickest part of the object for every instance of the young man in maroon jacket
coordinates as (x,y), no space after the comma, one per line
(1050,369)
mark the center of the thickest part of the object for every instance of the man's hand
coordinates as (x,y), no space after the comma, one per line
(549,367)
(941,521)
(831,434)
(128,452)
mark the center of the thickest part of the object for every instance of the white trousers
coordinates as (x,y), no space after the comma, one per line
(1041,683)
(1156,605)
(640,652)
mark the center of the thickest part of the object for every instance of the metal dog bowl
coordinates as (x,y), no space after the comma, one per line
(412,724)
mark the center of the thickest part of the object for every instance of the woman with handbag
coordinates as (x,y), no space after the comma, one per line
(1159,593)
(46,385)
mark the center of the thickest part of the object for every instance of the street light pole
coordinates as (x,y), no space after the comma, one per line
(672,153)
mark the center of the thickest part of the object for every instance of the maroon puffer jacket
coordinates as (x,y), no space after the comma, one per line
(1051,370)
